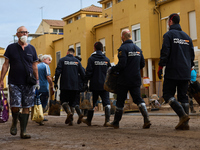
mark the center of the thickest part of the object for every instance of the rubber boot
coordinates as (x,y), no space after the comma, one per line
(89,117)
(144,112)
(23,118)
(117,118)
(192,106)
(176,106)
(80,115)
(13,129)
(67,110)
(185,126)
(71,120)
(107,115)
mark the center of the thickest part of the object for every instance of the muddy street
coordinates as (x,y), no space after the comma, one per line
(56,135)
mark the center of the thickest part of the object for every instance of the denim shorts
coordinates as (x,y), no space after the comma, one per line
(21,95)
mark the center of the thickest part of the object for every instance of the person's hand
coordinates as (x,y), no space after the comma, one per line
(55,86)
(85,87)
(112,71)
(160,72)
(37,85)
(51,90)
(1,84)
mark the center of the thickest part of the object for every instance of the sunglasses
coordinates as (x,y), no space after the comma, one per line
(23,32)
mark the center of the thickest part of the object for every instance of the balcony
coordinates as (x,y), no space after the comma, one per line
(160,2)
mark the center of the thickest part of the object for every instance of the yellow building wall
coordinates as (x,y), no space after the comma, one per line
(107,33)
(44,45)
(80,31)
(58,47)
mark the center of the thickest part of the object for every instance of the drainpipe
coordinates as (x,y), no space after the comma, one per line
(159,24)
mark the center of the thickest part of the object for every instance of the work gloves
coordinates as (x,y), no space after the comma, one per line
(37,86)
(160,72)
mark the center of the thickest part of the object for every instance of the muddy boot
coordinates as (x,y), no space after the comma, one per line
(192,106)
(144,112)
(79,112)
(23,118)
(67,110)
(13,129)
(71,120)
(117,118)
(176,106)
(107,115)
(89,117)
(185,126)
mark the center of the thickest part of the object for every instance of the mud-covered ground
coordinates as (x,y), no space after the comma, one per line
(55,135)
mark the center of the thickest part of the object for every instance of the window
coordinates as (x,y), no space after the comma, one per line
(167,26)
(78,49)
(90,15)
(1,62)
(104,45)
(192,25)
(119,1)
(136,35)
(69,21)
(71,46)
(109,4)
(57,30)
(196,66)
(78,17)
(57,57)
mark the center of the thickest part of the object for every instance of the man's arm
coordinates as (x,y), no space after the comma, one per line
(35,70)
(122,61)
(4,71)
(49,79)
(165,51)
(89,69)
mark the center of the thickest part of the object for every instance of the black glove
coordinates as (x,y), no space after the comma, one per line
(55,86)
(160,72)
(112,71)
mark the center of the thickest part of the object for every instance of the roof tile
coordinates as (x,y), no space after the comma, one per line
(58,23)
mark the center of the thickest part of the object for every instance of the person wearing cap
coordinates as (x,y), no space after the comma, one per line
(131,61)
(96,70)
(177,55)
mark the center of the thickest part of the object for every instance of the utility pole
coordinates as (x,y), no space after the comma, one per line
(81,3)
(42,18)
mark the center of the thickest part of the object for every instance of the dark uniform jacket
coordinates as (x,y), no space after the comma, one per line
(131,61)
(177,54)
(97,67)
(69,67)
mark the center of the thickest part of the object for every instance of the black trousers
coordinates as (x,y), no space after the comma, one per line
(104,96)
(122,95)
(169,90)
(68,96)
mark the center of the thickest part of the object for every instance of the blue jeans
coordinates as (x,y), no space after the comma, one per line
(44,98)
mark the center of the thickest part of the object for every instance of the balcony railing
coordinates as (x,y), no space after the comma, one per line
(160,2)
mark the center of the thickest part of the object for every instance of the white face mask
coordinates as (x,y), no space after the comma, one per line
(23,39)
